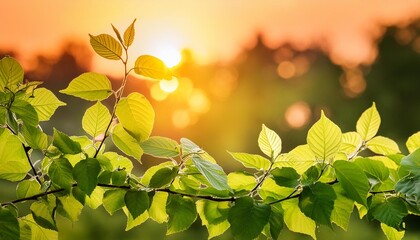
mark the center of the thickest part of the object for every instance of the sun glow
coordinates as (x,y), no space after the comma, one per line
(170,55)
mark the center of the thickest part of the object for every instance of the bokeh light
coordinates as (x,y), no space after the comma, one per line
(181,118)
(169,86)
(298,114)
(157,93)
(199,101)
(168,54)
(286,69)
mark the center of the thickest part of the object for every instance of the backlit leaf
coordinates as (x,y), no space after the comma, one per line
(11,73)
(343,208)
(9,225)
(411,162)
(70,207)
(134,222)
(161,147)
(269,142)
(86,174)
(25,111)
(151,171)
(89,86)
(300,158)
(212,172)
(156,211)
(353,180)
(286,177)
(248,218)
(13,164)
(129,34)
(106,46)
(30,230)
(251,160)
(43,214)
(324,138)
(413,142)
(295,220)
(137,202)
(214,216)
(392,233)
(182,213)
(61,173)
(136,115)
(114,200)
(383,145)
(368,124)
(28,188)
(152,67)
(45,103)
(65,144)
(96,119)
(241,181)
(373,169)
(125,142)
(163,177)
(34,137)
(351,142)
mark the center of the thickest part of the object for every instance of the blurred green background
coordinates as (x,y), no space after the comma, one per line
(221,106)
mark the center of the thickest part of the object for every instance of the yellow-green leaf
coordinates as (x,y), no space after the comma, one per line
(156,211)
(352,141)
(383,145)
(134,222)
(11,73)
(125,142)
(106,46)
(392,233)
(368,124)
(45,103)
(152,67)
(129,34)
(137,116)
(295,220)
(251,160)
(413,142)
(13,162)
(269,142)
(161,147)
(324,138)
(214,216)
(300,158)
(96,119)
(89,86)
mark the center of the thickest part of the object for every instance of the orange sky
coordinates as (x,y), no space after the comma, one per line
(212,29)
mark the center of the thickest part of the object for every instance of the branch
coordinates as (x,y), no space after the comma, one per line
(32,166)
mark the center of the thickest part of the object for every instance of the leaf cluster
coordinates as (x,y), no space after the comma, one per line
(320,182)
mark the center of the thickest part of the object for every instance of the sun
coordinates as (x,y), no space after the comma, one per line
(170,55)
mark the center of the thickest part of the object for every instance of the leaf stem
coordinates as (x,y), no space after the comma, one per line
(261,180)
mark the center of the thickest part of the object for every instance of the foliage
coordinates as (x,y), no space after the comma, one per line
(317,183)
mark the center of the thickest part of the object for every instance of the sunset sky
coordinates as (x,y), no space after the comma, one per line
(214,30)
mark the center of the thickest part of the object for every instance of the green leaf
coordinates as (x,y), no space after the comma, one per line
(9,225)
(106,46)
(300,158)
(391,212)
(182,213)
(311,175)
(161,147)
(134,222)
(413,142)
(34,137)
(114,200)
(214,216)
(45,103)
(212,172)
(118,34)
(119,162)
(129,34)
(43,214)
(368,124)
(351,142)
(383,145)
(125,142)
(30,230)
(28,188)
(152,67)
(96,119)
(86,174)
(119,177)
(156,211)
(247,218)
(251,160)
(353,180)
(11,73)
(295,220)
(392,233)
(270,191)
(69,207)
(163,177)
(61,173)
(343,208)
(65,144)
(409,185)
(411,162)
(275,223)
(25,111)
(317,202)
(324,138)
(373,169)
(151,171)
(136,115)
(241,181)
(269,142)
(89,86)
(14,164)
(286,177)
(189,147)
(137,202)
